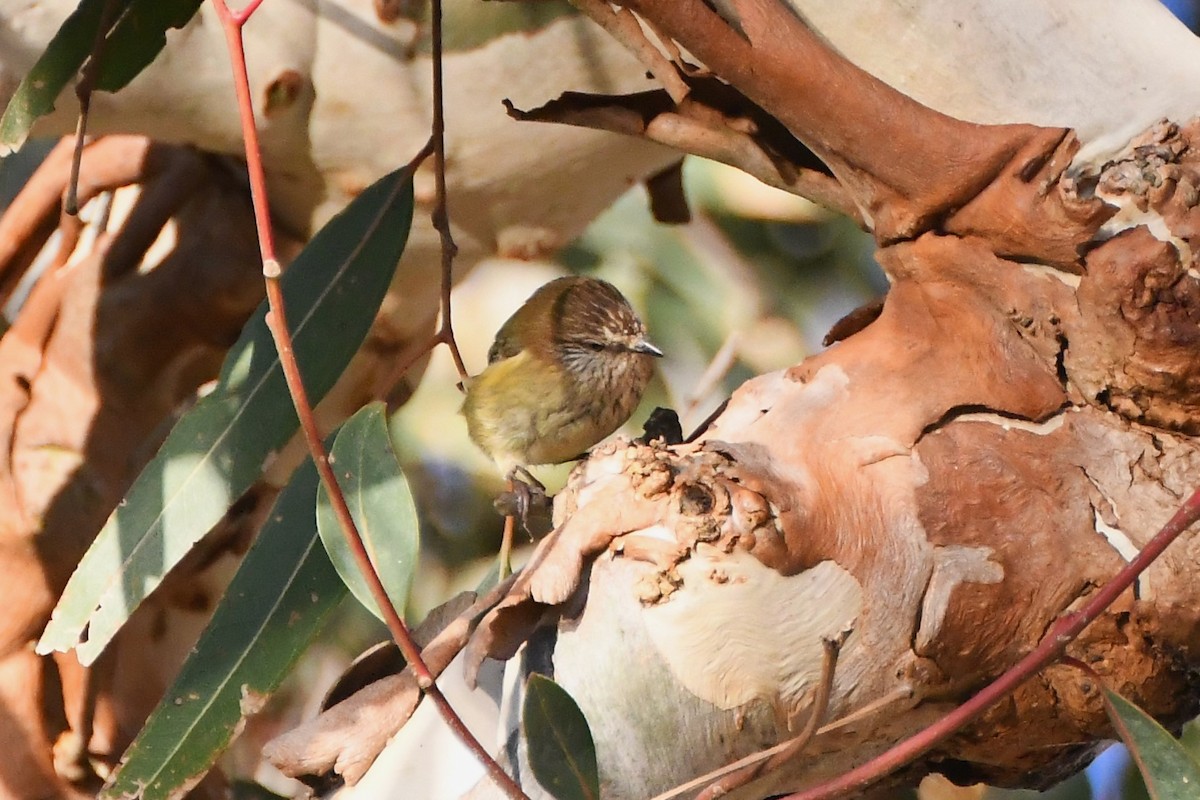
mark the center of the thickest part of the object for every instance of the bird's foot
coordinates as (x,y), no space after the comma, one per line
(519,474)
(526,499)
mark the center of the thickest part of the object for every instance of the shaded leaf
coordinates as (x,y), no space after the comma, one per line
(1169,770)
(218,449)
(277,603)
(60,61)
(562,754)
(138,37)
(380,503)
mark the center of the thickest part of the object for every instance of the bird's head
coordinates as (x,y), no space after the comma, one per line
(594,331)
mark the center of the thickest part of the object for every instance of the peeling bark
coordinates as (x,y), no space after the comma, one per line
(944,482)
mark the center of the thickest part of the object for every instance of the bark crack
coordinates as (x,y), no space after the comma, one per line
(1107,524)
(977,412)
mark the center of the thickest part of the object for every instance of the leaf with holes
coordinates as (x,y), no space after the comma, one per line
(279,600)
(561,751)
(217,450)
(380,503)
(1169,770)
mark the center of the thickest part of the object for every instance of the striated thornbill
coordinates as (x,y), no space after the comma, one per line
(566,370)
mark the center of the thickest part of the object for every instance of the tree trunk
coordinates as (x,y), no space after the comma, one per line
(935,490)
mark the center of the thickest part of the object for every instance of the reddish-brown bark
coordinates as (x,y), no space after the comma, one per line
(978,458)
(959,471)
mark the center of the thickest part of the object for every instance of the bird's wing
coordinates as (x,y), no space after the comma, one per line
(534,323)
(506,345)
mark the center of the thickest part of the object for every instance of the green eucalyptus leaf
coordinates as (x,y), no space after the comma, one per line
(60,61)
(380,503)
(1168,769)
(562,754)
(218,449)
(276,605)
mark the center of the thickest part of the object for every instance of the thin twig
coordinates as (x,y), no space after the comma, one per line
(441,222)
(1052,647)
(832,646)
(674,54)
(70,205)
(396,393)
(624,26)
(83,91)
(713,374)
(441,217)
(232,23)
(506,539)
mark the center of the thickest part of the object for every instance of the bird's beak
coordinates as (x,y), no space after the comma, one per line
(646,348)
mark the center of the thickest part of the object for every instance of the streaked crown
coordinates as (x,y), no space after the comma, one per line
(572,316)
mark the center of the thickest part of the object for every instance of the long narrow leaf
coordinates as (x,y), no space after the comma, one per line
(332,290)
(277,603)
(1168,769)
(381,505)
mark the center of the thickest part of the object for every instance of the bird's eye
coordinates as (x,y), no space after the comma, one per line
(595,347)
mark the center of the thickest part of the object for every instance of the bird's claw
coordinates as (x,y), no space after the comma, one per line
(525,499)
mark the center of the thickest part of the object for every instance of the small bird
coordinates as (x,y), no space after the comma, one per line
(566,370)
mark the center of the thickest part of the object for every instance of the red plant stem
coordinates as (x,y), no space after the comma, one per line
(232,23)
(1052,646)
(1075,663)
(244,13)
